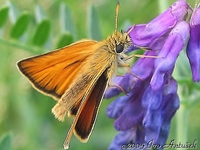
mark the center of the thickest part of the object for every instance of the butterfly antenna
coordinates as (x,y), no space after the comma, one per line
(116,15)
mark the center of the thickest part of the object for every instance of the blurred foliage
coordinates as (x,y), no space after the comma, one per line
(5,141)
(33,27)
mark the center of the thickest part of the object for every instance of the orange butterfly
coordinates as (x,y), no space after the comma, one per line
(77,76)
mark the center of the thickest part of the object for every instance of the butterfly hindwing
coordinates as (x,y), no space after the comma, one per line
(89,112)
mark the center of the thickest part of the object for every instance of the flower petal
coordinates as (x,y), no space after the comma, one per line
(152,99)
(193,47)
(157,121)
(113,90)
(143,67)
(146,34)
(114,110)
(122,140)
(131,116)
(170,51)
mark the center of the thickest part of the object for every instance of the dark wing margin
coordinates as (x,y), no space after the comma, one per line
(88,114)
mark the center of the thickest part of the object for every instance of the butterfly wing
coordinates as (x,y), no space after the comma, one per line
(88,113)
(77,75)
(89,74)
(53,72)
(90,84)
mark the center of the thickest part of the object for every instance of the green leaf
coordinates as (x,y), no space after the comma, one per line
(93,24)
(20,25)
(65,39)
(6,141)
(3,15)
(42,32)
(66,20)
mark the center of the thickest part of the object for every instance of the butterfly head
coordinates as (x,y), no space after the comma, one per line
(118,42)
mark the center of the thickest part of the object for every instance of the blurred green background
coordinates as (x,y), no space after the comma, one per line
(33,27)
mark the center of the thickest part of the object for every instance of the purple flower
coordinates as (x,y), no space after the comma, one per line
(146,34)
(160,107)
(120,141)
(145,113)
(193,47)
(173,45)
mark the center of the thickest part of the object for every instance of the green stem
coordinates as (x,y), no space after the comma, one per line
(17,45)
(181,120)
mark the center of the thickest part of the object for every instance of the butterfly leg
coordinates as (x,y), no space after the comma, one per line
(129,69)
(119,87)
(140,56)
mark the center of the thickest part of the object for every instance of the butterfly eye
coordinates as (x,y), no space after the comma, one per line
(119,48)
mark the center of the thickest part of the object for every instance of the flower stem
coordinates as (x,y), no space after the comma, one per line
(16,44)
(181,120)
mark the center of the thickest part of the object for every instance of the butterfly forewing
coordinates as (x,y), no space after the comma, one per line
(53,72)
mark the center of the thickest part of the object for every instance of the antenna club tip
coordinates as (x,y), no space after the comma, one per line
(66,146)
